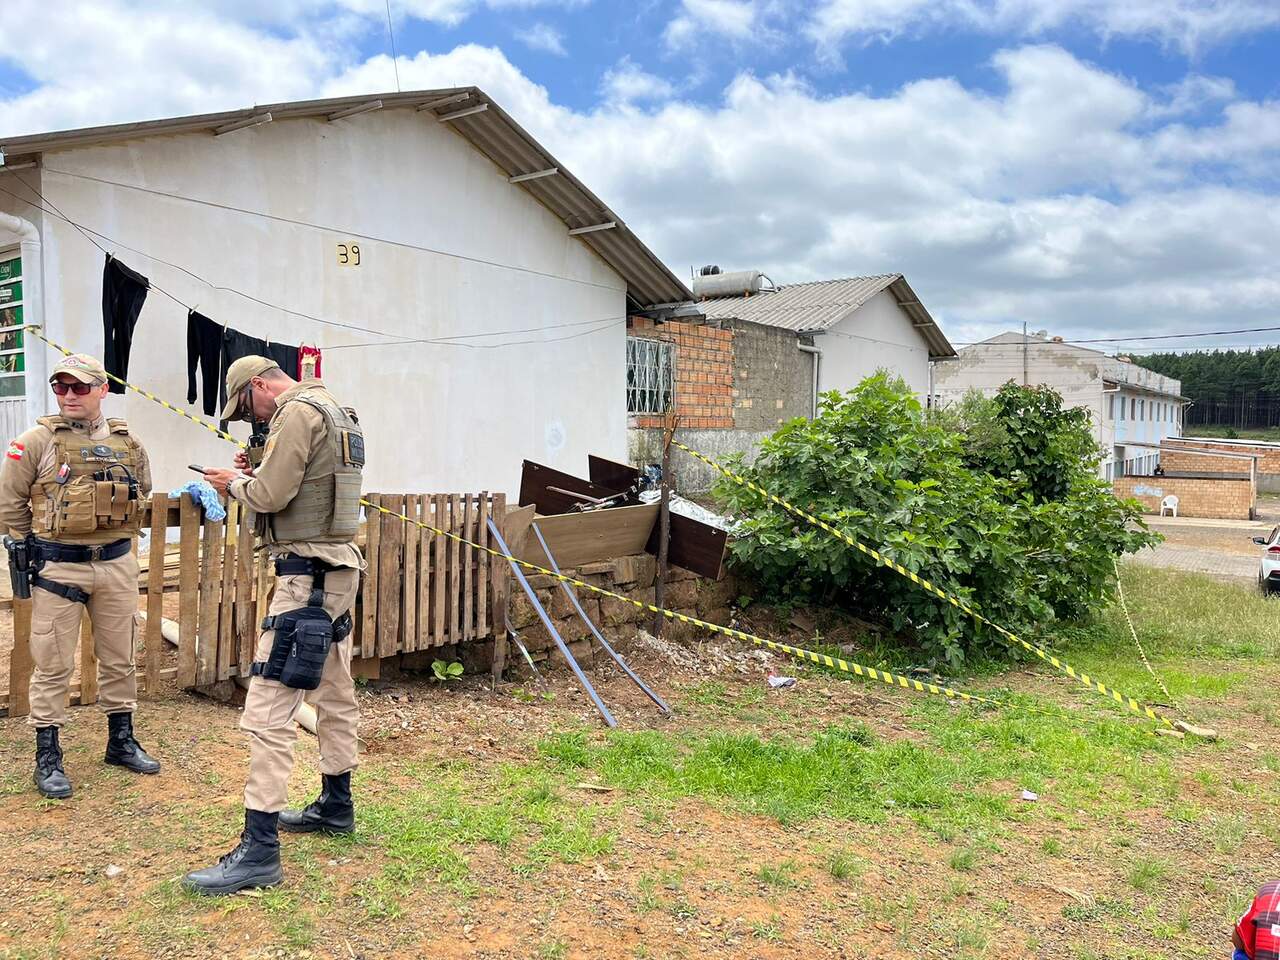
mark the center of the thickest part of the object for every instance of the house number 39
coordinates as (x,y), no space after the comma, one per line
(349,254)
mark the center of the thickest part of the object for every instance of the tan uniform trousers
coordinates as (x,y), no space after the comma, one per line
(269,706)
(112,586)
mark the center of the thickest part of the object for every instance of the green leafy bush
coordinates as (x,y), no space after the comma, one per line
(1013,521)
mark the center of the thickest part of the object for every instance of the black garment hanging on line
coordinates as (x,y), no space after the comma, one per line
(204,349)
(236,345)
(123,293)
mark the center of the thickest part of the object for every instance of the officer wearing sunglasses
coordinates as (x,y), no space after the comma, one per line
(70,492)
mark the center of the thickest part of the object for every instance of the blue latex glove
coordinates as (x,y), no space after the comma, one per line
(1239,955)
(205,495)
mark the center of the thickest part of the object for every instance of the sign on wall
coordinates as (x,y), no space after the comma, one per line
(348,254)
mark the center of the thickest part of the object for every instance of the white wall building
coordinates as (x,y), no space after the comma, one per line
(1132,408)
(859,325)
(468,233)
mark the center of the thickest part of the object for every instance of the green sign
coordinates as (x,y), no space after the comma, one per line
(11,269)
(11,292)
(11,317)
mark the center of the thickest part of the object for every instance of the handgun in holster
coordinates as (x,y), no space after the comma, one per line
(24,563)
(257,446)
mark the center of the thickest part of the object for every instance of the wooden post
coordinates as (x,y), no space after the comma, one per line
(439,571)
(423,538)
(210,591)
(20,660)
(497,593)
(409,589)
(369,592)
(664,521)
(468,558)
(226,634)
(390,571)
(246,630)
(482,567)
(155,590)
(188,590)
(88,660)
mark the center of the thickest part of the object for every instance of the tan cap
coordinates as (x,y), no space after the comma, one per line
(83,367)
(238,376)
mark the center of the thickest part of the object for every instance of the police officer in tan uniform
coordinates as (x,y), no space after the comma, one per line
(306,494)
(70,491)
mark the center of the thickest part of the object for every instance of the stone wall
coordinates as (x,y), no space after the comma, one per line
(1214,497)
(633,577)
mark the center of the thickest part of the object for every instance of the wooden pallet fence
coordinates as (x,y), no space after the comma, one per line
(420,591)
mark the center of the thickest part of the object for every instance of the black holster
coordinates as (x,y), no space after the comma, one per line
(303,637)
(24,563)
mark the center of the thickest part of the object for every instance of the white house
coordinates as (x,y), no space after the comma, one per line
(1132,409)
(469,294)
(859,325)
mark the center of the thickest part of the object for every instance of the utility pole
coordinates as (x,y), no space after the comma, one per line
(1025,381)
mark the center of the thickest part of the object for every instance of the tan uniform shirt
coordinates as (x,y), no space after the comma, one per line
(297,434)
(32,456)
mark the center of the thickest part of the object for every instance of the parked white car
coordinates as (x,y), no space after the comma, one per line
(1269,572)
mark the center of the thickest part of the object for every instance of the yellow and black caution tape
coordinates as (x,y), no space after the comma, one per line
(836,663)
(1125,701)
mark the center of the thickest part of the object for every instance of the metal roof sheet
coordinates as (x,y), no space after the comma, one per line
(820,305)
(490,130)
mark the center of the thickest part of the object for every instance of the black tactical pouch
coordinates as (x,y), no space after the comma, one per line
(301,646)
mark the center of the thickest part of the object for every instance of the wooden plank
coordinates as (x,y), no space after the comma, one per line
(389,578)
(369,591)
(409,587)
(694,545)
(265,573)
(497,567)
(578,538)
(246,626)
(468,559)
(422,506)
(73,691)
(188,590)
(440,572)
(513,523)
(228,651)
(155,591)
(535,479)
(20,660)
(455,570)
(88,661)
(482,567)
(210,589)
(612,475)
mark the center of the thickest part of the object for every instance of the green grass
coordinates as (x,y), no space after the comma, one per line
(963,860)
(1146,873)
(782,876)
(843,865)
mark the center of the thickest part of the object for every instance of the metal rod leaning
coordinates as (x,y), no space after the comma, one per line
(577,605)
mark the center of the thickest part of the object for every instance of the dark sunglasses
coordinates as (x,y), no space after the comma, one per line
(79,389)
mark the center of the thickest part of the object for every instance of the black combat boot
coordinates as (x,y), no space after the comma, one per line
(255,862)
(123,750)
(332,812)
(51,779)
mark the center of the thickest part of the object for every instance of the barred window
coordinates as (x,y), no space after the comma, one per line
(650,375)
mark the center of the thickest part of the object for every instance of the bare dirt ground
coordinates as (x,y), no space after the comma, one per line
(481,835)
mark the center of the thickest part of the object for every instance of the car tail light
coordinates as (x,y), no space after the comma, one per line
(1274,549)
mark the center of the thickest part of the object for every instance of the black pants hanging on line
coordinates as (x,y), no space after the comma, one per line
(123,293)
(204,349)
(236,345)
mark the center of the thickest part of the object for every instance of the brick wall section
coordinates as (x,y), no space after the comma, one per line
(1176,459)
(704,372)
(1214,497)
(1268,458)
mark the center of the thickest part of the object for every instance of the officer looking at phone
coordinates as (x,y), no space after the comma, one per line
(306,497)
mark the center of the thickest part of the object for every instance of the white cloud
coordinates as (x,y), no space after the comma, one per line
(1072,197)
(1189,25)
(735,20)
(544,37)
(628,82)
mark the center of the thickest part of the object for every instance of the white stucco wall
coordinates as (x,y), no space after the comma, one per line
(437,417)
(877,334)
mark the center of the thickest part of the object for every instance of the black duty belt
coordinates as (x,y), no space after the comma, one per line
(292,565)
(55,552)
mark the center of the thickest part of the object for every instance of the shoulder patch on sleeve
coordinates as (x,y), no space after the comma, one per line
(16,450)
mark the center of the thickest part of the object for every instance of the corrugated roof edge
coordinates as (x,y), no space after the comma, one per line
(649,281)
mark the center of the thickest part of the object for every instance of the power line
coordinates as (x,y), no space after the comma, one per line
(1131,339)
(89,233)
(394,61)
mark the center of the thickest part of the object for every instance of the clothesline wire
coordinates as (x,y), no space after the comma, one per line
(89,234)
(326,228)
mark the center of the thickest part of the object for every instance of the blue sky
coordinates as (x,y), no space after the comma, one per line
(1087,166)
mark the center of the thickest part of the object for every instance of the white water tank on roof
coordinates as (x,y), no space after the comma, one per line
(737,283)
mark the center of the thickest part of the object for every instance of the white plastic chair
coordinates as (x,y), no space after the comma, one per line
(1169,503)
